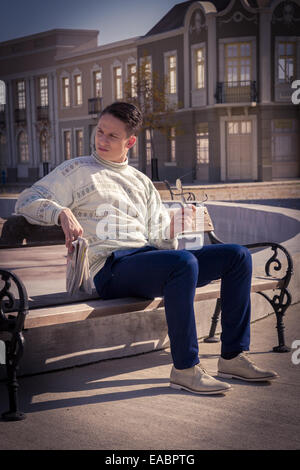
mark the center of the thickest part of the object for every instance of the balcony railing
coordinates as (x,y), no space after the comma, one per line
(42,113)
(2,114)
(20,115)
(95,105)
(236,92)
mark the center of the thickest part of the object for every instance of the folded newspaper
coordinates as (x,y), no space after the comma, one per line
(78,274)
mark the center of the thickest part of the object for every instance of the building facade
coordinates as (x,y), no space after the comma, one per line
(230,67)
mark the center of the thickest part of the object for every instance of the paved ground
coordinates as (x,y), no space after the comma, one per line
(127,404)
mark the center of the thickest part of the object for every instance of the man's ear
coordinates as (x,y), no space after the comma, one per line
(131,141)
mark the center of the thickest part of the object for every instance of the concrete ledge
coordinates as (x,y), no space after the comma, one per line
(64,345)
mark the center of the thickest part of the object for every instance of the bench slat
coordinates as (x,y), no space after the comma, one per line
(101,308)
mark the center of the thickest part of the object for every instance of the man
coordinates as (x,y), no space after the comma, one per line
(133,251)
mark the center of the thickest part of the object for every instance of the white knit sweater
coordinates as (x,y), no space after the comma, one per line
(117,206)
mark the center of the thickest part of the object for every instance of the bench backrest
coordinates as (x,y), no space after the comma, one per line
(166,190)
(16,231)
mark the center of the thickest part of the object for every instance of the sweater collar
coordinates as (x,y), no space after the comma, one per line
(109,164)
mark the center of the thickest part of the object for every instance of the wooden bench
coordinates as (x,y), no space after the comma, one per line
(18,312)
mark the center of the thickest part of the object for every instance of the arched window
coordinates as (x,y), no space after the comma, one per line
(23,147)
(44,147)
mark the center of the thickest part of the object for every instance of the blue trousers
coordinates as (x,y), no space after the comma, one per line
(174,274)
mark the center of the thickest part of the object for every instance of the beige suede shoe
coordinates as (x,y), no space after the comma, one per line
(241,367)
(196,380)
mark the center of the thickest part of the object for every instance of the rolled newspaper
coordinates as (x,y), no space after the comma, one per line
(78,273)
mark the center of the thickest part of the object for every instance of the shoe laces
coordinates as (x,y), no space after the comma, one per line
(202,368)
(246,355)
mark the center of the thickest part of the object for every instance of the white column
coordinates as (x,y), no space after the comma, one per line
(11,125)
(211,57)
(32,123)
(28,125)
(55,123)
(186,65)
(265,71)
(51,120)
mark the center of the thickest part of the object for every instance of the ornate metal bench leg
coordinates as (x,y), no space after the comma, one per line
(211,338)
(13,325)
(13,358)
(280,308)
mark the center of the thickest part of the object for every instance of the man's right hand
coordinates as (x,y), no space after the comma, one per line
(71,227)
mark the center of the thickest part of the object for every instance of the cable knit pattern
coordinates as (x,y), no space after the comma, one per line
(117,206)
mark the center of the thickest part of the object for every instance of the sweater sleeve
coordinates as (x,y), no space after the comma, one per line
(42,203)
(159,223)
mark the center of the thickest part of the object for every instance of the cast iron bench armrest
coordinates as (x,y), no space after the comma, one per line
(190,195)
(273,259)
(275,247)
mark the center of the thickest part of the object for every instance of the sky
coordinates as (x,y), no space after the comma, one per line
(115,19)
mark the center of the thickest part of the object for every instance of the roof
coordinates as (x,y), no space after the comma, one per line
(175,17)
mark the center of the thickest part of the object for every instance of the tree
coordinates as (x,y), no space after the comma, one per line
(145,89)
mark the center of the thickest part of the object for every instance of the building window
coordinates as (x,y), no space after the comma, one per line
(44,147)
(132,80)
(233,127)
(21,96)
(66,92)
(118,89)
(238,63)
(67,145)
(148,147)
(78,90)
(79,142)
(246,127)
(285,140)
(23,147)
(199,68)
(239,127)
(97,83)
(43,88)
(202,144)
(286,61)
(172,145)
(172,74)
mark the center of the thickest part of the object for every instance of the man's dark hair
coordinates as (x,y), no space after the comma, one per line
(127,113)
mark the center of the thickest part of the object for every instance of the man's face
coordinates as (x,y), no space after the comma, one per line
(112,141)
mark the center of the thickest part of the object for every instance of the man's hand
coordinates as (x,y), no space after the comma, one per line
(182,220)
(71,227)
